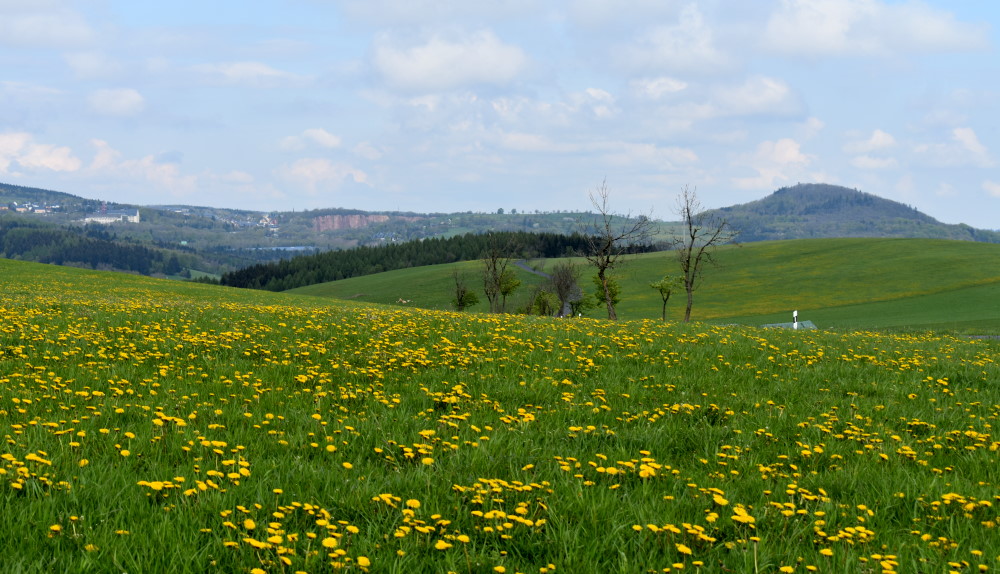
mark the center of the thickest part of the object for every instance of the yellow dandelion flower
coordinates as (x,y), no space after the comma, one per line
(441,545)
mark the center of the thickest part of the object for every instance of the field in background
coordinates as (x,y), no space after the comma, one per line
(836,283)
(157,426)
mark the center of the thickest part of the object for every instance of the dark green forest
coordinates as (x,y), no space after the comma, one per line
(91,247)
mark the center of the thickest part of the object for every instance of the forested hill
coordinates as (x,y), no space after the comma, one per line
(822,210)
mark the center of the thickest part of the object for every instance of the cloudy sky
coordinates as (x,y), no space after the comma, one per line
(457,105)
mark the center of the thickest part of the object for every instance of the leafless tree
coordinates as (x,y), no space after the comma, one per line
(564,281)
(702,234)
(498,280)
(609,239)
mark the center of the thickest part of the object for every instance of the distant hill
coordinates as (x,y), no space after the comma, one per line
(820,210)
(221,240)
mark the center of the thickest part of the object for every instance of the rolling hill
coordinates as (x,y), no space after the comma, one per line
(841,283)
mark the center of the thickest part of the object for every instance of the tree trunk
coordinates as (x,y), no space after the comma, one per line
(690,303)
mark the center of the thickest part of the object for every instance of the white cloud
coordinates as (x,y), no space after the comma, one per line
(757,95)
(773,161)
(529,142)
(870,162)
(367,151)
(42,23)
(316,174)
(19,150)
(419,12)
(250,74)
(964,150)
(630,153)
(879,140)
(166,176)
(656,88)
(992,187)
(687,46)
(121,102)
(596,102)
(811,127)
(23,93)
(444,64)
(868,27)
(316,136)
(90,65)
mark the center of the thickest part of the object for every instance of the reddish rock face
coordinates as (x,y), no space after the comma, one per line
(338,222)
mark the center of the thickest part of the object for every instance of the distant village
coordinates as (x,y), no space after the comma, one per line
(106,216)
(40,209)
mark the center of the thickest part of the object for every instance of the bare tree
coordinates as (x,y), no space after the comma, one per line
(702,235)
(564,281)
(498,280)
(609,238)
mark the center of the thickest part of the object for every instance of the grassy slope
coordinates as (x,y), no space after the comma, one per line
(127,405)
(847,283)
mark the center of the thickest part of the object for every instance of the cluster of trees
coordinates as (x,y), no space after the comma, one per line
(314,268)
(92,247)
(609,239)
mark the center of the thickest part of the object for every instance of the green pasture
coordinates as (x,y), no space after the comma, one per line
(836,283)
(158,426)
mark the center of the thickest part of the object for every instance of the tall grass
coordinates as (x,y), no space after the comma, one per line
(161,427)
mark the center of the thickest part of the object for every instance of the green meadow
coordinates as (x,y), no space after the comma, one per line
(159,426)
(836,283)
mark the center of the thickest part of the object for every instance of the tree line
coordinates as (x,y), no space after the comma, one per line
(310,269)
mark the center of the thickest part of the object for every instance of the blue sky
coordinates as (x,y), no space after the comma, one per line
(458,105)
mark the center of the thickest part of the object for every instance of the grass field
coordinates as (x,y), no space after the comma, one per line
(156,426)
(841,283)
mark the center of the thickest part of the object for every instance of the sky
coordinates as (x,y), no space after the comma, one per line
(467,105)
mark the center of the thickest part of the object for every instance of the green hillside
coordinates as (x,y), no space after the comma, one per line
(160,426)
(844,283)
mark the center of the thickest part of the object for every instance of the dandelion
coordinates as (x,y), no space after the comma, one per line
(427,461)
(441,545)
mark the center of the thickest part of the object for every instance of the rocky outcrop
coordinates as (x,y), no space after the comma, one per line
(338,222)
